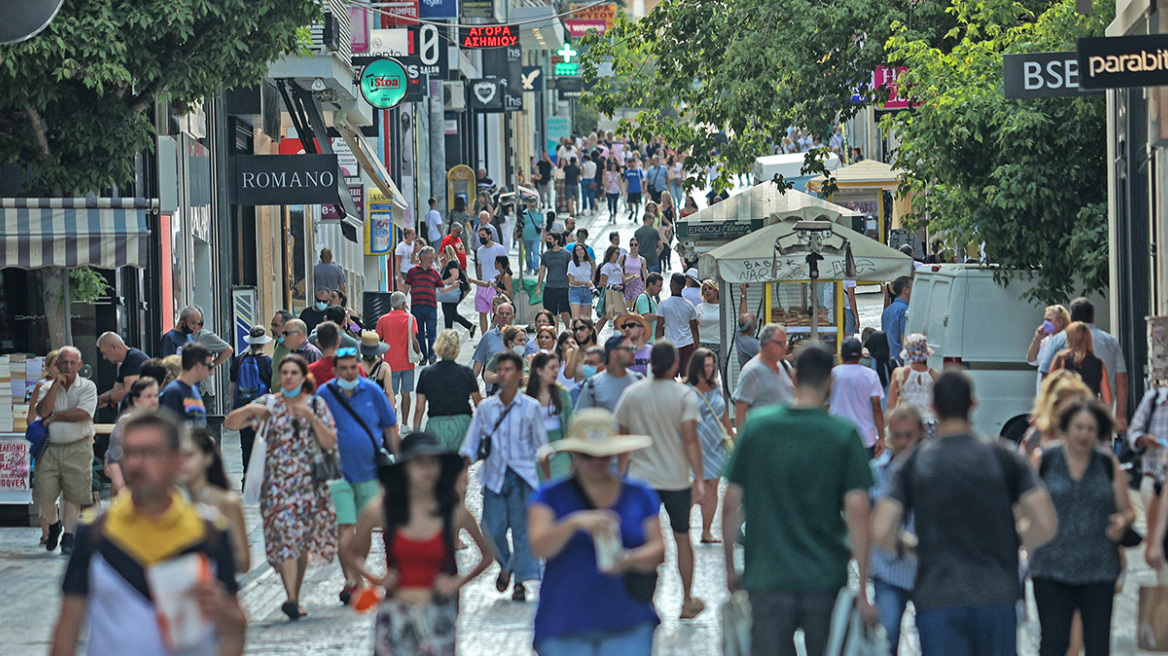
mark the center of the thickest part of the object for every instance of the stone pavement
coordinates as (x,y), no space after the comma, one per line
(490,624)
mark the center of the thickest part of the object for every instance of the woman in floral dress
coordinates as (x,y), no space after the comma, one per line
(299,520)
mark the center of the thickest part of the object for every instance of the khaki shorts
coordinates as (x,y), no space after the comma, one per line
(351,498)
(66,471)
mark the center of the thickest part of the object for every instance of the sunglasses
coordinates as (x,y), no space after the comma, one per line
(290,332)
(631,324)
(579,328)
(347,352)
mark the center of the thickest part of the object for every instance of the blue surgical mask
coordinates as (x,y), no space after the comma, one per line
(589,370)
(348,385)
(321,305)
(280,339)
(1048,327)
(291,393)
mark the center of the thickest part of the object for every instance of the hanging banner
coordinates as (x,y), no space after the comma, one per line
(478,9)
(438,9)
(1123,61)
(284,179)
(403,15)
(476,37)
(486,95)
(506,65)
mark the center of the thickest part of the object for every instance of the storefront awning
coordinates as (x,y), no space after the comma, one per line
(101,232)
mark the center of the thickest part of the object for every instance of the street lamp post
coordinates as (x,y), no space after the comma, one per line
(812,238)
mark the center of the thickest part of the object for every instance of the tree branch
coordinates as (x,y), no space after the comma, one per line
(38,130)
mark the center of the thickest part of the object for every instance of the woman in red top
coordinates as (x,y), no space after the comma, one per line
(420,515)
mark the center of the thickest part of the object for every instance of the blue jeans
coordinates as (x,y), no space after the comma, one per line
(508,510)
(531,248)
(427,316)
(969,631)
(637,641)
(891,602)
(653,268)
(589,195)
(849,322)
(675,192)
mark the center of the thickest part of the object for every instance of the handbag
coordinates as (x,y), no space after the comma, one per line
(736,622)
(253,484)
(640,585)
(849,636)
(326,463)
(384,457)
(484,450)
(37,435)
(1152,620)
(414,356)
(726,437)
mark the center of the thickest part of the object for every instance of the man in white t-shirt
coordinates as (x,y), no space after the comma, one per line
(434,223)
(856,395)
(851,325)
(485,265)
(404,253)
(680,321)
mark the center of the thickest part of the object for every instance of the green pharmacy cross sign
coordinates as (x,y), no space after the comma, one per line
(567,52)
(383,83)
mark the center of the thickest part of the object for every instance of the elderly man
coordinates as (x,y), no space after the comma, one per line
(154,524)
(491,343)
(399,329)
(296,341)
(765,380)
(425,283)
(129,361)
(314,314)
(454,239)
(65,469)
(328,274)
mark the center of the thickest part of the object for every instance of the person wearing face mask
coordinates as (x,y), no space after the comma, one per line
(182,333)
(593,364)
(299,521)
(365,423)
(314,314)
(279,320)
(514,341)
(1055,319)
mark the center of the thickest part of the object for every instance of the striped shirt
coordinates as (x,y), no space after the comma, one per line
(1151,417)
(424,285)
(895,570)
(513,442)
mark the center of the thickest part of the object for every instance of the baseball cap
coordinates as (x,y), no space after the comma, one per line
(851,349)
(614,343)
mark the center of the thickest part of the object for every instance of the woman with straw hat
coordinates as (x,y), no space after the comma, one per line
(372,350)
(601,538)
(420,515)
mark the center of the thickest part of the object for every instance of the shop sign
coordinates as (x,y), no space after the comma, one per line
(486,95)
(357,193)
(406,13)
(477,37)
(378,223)
(478,9)
(1041,75)
(1123,62)
(13,465)
(431,9)
(531,78)
(383,83)
(284,179)
(590,17)
(716,230)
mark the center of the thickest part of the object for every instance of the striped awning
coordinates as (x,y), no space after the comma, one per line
(101,232)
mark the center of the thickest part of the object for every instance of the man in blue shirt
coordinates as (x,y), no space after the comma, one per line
(182,395)
(893,319)
(365,423)
(634,177)
(183,332)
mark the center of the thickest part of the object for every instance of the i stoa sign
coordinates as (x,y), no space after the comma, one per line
(488,36)
(383,83)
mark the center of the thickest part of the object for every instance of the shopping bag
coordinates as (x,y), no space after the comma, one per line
(736,625)
(849,636)
(255,466)
(1152,631)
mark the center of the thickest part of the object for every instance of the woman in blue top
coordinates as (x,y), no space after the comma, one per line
(567,519)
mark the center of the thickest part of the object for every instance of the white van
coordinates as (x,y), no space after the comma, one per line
(973,322)
(790,166)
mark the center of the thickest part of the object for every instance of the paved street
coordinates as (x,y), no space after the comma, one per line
(490,624)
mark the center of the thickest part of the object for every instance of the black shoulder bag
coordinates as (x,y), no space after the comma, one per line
(384,457)
(484,451)
(640,585)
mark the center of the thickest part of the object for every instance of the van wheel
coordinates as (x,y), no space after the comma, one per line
(1015,429)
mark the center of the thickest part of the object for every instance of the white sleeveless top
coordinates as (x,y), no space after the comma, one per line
(917,391)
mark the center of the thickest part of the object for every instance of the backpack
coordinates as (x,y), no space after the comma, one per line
(250,386)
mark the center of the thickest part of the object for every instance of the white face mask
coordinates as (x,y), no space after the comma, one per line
(519,350)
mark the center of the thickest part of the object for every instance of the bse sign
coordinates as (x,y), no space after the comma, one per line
(1042,75)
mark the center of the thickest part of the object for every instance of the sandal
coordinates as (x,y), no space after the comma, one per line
(291,609)
(692,608)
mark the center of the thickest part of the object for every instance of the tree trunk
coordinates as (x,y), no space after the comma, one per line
(53,281)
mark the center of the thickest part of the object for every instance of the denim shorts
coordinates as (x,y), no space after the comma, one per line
(402,381)
(579,296)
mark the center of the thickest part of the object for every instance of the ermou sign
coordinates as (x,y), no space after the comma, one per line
(284,179)
(1123,62)
(475,37)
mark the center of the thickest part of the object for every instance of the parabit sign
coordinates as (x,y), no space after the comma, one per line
(488,36)
(1124,62)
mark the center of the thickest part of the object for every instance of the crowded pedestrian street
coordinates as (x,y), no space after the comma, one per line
(494,327)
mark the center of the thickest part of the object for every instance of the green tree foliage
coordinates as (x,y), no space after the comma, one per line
(1026,177)
(746,68)
(74,110)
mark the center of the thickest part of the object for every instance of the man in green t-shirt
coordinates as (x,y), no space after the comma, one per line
(802,476)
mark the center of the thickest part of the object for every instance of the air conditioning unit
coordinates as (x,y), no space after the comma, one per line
(454,96)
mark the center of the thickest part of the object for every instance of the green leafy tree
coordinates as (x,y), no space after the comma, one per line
(747,69)
(1027,178)
(74,108)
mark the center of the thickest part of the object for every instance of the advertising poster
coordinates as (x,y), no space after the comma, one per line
(14,464)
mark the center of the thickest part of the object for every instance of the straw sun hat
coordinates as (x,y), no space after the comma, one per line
(593,433)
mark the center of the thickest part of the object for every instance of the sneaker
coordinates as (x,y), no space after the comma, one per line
(67,544)
(472,331)
(519,593)
(54,537)
(692,608)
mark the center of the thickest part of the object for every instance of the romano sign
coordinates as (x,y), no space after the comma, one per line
(285,179)
(1123,62)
